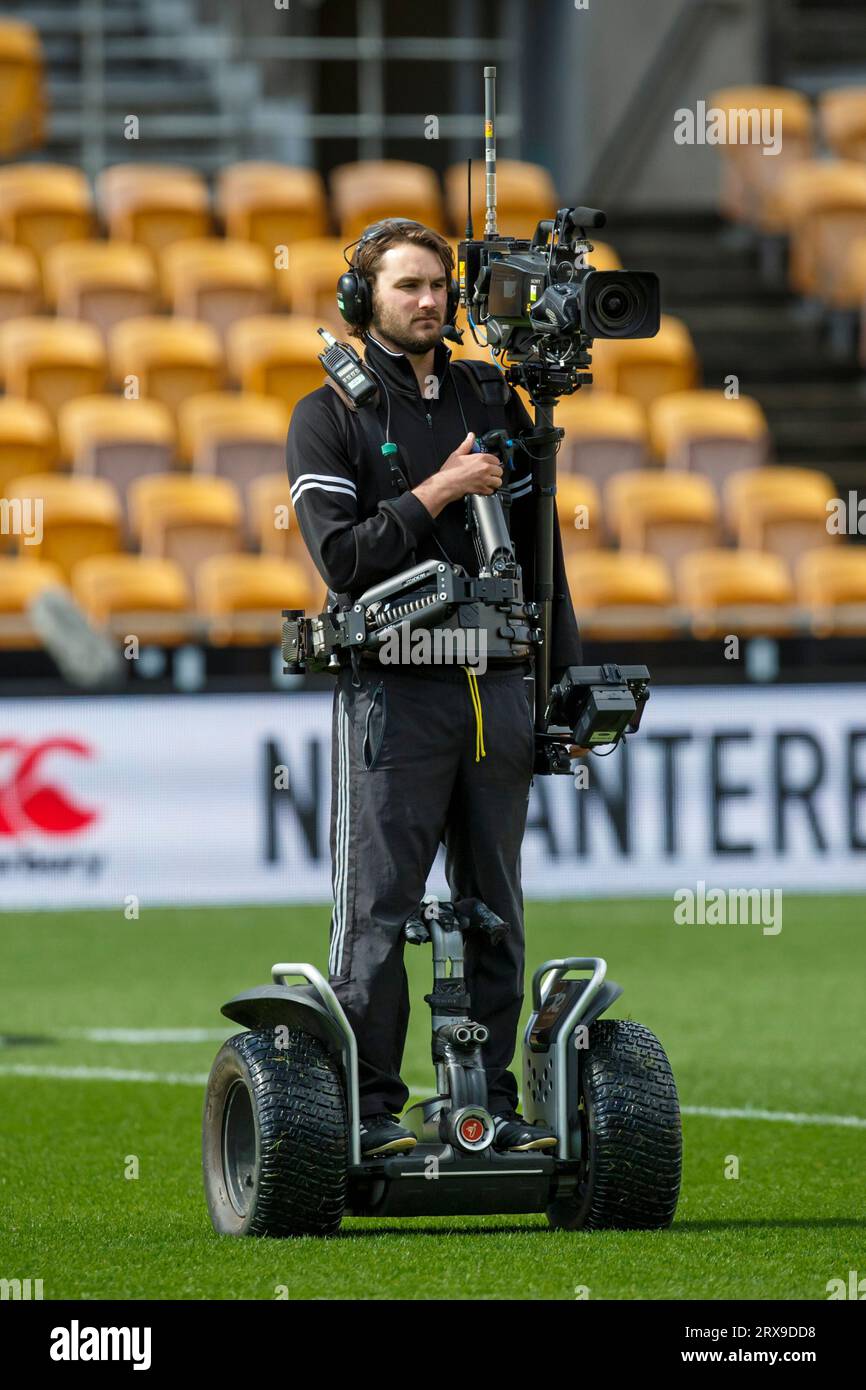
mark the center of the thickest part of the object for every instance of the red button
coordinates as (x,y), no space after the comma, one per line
(471,1130)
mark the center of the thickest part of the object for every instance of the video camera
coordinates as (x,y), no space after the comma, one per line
(540,302)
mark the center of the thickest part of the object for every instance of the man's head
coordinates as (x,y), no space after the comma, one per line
(410,269)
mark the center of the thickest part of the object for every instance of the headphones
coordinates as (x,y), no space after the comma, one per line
(355,292)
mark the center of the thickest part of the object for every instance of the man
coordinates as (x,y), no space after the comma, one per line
(420,753)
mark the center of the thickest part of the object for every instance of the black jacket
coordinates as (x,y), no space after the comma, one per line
(356,525)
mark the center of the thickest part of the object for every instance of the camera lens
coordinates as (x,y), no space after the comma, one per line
(617,305)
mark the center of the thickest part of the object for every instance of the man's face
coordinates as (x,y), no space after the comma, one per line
(410,295)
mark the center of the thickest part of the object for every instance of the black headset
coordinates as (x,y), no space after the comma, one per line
(354,291)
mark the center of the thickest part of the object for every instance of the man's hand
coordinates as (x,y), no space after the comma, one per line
(575,752)
(463,473)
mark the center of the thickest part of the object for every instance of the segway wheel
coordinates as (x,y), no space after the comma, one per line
(631,1135)
(275,1139)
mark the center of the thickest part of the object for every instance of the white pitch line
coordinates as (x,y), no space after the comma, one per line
(144,1035)
(176,1078)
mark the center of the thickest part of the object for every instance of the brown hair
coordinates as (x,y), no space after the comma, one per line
(367,257)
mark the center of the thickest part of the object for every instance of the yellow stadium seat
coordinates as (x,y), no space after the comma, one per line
(157,211)
(369,189)
(23,94)
(185,518)
(171,359)
(821,205)
(77,517)
(238,437)
(603,257)
(842,112)
(244,595)
(272,204)
(274,527)
(114,183)
(308,285)
(51,360)
(667,514)
(117,439)
(749,177)
(21,580)
(27,440)
(604,434)
(42,205)
(276,355)
(20,292)
(578,508)
(831,583)
(525,194)
(620,596)
(135,594)
(216,280)
(782,510)
(100,282)
(705,432)
(745,592)
(647,367)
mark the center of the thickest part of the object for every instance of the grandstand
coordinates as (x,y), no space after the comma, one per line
(157,327)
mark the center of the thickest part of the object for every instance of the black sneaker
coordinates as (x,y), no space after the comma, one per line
(512,1133)
(381,1134)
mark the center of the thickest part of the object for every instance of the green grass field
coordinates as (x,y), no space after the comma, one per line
(772,1024)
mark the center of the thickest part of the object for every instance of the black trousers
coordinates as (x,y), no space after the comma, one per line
(415,763)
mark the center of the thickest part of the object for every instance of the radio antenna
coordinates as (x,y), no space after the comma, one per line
(490,151)
(469,234)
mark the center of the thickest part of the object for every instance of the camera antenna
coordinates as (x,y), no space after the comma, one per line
(469,234)
(490,151)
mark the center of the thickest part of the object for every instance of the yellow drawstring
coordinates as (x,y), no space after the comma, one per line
(479,717)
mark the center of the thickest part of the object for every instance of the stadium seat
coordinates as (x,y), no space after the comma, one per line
(170,358)
(20,582)
(822,207)
(308,285)
(369,189)
(620,596)
(156,211)
(276,355)
(705,432)
(272,204)
(272,519)
(748,175)
(42,205)
(647,367)
(781,510)
(217,281)
(117,439)
(79,517)
(135,593)
(666,514)
(244,595)
(745,592)
(525,194)
(113,184)
(185,518)
(100,282)
(832,585)
(27,440)
(603,257)
(238,437)
(578,507)
(23,95)
(51,360)
(842,113)
(604,434)
(20,282)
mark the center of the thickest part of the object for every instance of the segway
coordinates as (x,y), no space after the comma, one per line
(281,1133)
